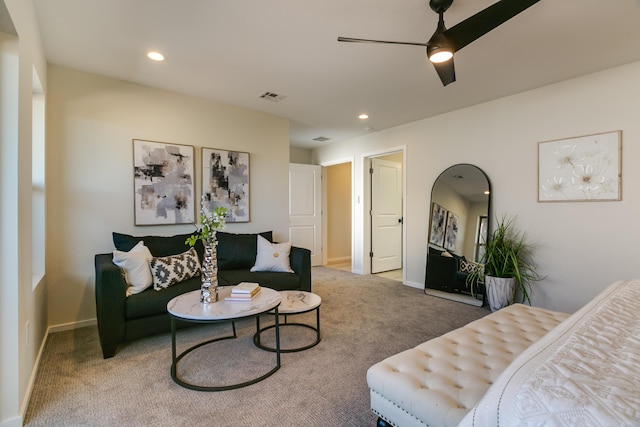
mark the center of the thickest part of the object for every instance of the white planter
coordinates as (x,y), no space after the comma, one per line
(500,291)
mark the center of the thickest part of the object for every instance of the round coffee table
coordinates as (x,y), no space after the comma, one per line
(188,308)
(293,302)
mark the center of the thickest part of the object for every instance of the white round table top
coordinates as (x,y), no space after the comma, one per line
(188,305)
(298,302)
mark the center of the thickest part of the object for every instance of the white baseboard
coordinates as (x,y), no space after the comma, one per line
(416,285)
(339,260)
(13,422)
(18,421)
(72,325)
(34,373)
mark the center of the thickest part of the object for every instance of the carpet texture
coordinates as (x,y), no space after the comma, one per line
(364,319)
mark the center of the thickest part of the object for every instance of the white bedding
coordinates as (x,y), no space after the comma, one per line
(585,372)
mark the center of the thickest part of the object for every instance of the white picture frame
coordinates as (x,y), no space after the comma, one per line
(584,168)
(225,182)
(163,178)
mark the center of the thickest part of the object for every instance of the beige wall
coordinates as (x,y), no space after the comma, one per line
(338,212)
(22,298)
(300,155)
(582,247)
(91,123)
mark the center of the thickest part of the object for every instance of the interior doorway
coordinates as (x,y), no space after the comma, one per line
(387,215)
(338,198)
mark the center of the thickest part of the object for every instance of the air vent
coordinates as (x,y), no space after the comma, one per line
(273,97)
(321,139)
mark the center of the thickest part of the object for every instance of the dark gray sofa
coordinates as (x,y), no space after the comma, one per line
(443,273)
(121,318)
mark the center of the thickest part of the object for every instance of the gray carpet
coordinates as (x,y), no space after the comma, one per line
(364,319)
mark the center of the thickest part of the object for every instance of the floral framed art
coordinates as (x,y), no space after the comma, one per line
(163,183)
(225,182)
(584,168)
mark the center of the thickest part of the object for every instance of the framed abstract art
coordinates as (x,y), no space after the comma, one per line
(438,225)
(225,182)
(163,183)
(451,233)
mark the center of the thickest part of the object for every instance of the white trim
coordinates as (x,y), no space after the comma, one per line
(34,373)
(366,187)
(18,421)
(338,162)
(13,422)
(325,226)
(416,285)
(72,325)
(339,260)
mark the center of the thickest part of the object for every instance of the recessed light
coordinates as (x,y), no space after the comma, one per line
(363,116)
(156,56)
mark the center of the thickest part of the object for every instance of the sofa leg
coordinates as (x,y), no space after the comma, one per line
(108,351)
(382,423)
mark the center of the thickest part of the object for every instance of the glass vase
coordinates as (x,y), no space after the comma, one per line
(209,288)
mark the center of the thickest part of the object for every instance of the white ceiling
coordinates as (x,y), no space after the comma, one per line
(232,51)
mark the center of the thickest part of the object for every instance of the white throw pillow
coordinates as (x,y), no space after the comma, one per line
(272,256)
(135,265)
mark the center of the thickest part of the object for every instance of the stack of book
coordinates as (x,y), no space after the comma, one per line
(244,291)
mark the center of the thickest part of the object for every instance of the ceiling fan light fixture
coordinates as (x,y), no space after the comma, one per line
(439,49)
(440,55)
(155,56)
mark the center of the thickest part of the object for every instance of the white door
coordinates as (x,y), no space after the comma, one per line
(305,209)
(386,215)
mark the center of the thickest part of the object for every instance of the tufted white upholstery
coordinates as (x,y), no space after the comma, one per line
(437,382)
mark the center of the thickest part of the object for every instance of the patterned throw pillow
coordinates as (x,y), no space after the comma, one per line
(470,267)
(169,270)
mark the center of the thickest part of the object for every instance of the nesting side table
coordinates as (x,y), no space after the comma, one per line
(188,308)
(292,303)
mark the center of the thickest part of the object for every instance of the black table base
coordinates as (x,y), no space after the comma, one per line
(176,358)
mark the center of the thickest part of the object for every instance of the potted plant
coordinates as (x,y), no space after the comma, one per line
(508,266)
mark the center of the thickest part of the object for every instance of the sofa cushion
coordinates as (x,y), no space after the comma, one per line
(236,251)
(158,245)
(272,256)
(277,281)
(151,303)
(169,270)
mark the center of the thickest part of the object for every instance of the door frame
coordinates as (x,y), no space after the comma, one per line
(366,217)
(325,225)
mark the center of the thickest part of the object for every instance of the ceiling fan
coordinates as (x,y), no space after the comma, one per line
(445,42)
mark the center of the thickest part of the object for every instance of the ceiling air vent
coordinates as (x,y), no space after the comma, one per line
(273,97)
(321,139)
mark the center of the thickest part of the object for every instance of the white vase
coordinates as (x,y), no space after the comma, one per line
(500,291)
(209,288)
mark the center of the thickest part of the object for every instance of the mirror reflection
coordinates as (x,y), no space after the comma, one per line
(459,220)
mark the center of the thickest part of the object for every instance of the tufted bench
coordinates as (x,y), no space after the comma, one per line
(437,382)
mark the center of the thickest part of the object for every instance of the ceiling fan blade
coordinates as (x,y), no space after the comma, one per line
(349,39)
(484,21)
(446,72)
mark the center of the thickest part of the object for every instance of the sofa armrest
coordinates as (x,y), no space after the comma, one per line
(110,303)
(300,260)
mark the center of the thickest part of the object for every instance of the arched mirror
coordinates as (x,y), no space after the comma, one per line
(458,224)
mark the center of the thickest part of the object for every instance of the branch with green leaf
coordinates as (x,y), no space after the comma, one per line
(507,253)
(210,223)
